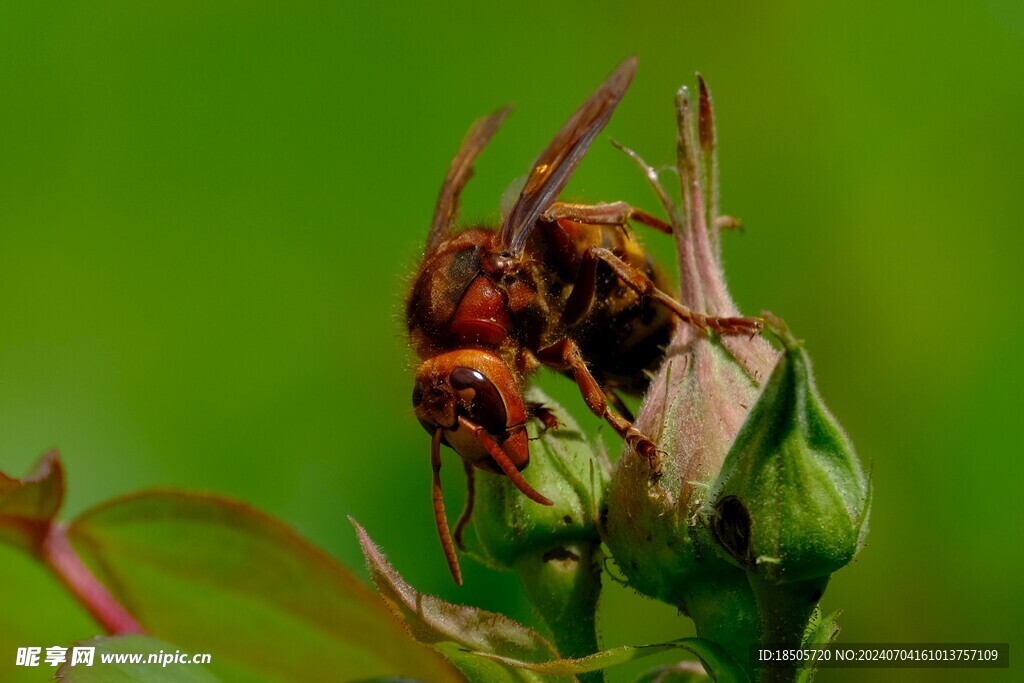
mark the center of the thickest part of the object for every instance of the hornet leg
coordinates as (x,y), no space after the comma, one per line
(615,213)
(565,355)
(582,296)
(544,414)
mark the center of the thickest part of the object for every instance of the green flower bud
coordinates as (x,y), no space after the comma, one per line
(792,501)
(565,468)
(555,550)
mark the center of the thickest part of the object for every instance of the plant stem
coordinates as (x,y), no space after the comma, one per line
(564,585)
(723,609)
(63,561)
(784,612)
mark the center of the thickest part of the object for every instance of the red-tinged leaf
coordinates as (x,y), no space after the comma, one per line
(470,636)
(463,633)
(28,506)
(112,660)
(218,576)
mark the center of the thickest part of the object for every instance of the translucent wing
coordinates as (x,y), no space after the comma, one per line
(459,173)
(556,163)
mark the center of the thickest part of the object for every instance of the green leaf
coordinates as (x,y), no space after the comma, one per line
(465,635)
(28,506)
(719,664)
(820,631)
(479,669)
(218,576)
(683,672)
(132,672)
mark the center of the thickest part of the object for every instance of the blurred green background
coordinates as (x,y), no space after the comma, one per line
(209,211)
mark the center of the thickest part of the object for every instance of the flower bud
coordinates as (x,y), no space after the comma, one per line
(792,500)
(746,512)
(565,468)
(693,410)
(554,550)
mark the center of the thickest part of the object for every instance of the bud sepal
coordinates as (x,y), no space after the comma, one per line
(791,502)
